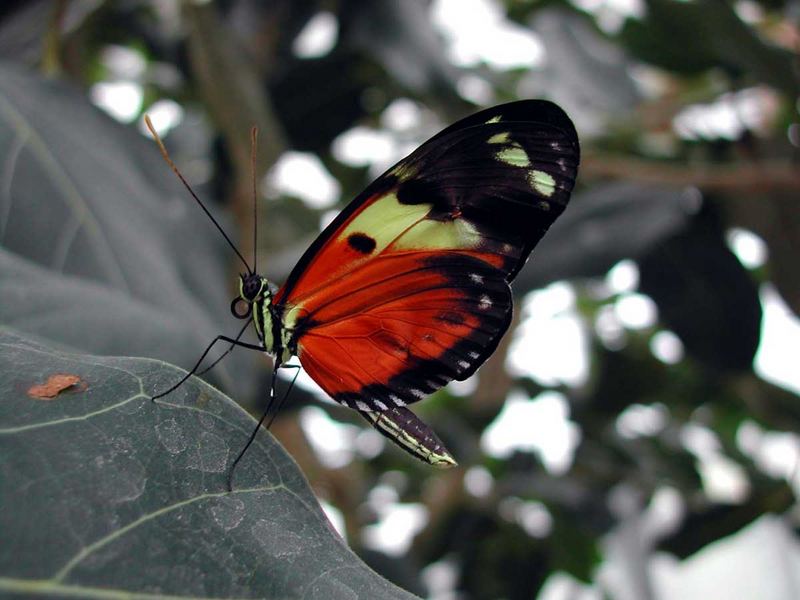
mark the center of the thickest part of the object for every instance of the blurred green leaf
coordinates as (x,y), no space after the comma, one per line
(692,37)
(575,551)
(705,295)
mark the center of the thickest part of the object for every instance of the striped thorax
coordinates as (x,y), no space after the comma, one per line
(255,297)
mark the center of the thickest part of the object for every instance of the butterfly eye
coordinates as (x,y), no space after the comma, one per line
(252,286)
(240,308)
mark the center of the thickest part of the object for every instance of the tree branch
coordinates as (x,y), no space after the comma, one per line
(740,178)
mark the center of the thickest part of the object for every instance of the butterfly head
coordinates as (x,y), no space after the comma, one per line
(253,289)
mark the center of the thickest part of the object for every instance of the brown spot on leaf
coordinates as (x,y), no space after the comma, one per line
(54,385)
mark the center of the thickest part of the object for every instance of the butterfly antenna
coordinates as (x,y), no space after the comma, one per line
(253,151)
(165,154)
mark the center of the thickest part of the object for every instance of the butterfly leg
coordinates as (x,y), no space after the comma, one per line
(228,351)
(224,338)
(282,401)
(272,397)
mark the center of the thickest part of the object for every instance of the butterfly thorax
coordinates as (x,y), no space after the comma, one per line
(256,293)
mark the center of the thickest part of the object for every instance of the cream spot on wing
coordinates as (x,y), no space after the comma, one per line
(362,405)
(513,155)
(463,364)
(476,278)
(495,119)
(474,355)
(386,219)
(429,234)
(380,404)
(404,171)
(397,400)
(485,303)
(499,138)
(542,182)
(417,393)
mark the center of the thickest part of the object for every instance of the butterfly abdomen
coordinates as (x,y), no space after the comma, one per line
(405,429)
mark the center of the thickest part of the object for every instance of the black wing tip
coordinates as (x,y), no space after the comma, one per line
(536,110)
(542,111)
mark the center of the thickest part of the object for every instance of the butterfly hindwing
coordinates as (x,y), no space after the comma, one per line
(408,288)
(402,326)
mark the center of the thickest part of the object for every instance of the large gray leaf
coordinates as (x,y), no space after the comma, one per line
(24,26)
(104,251)
(105,493)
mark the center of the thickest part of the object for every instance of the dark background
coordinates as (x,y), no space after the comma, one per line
(670,438)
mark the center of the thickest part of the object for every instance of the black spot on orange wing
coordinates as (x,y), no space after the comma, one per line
(451,317)
(360,242)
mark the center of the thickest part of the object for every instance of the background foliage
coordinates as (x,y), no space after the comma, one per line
(688,119)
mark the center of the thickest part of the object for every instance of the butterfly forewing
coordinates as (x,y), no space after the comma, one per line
(509,169)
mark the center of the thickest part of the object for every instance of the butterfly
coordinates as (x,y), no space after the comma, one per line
(408,288)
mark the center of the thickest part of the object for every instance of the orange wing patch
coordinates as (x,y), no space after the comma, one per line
(401,327)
